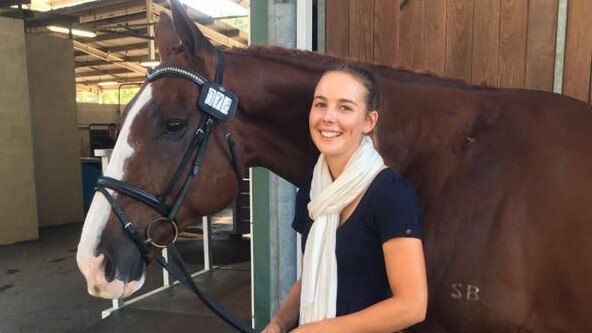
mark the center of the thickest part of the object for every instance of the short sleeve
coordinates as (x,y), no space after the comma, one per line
(300,222)
(397,212)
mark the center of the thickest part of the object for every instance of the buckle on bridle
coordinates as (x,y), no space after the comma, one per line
(151,241)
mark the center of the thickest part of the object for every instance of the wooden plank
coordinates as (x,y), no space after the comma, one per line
(512,53)
(578,50)
(337,28)
(540,44)
(486,32)
(411,43)
(361,30)
(459,37)
(435,35)
(386,31)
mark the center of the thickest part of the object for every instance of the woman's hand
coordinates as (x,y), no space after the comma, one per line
(309,328)
(274,327)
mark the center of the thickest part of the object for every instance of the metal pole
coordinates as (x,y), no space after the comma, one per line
(560,46)
(205,222)
(166,280)
(150,17)
(304,25)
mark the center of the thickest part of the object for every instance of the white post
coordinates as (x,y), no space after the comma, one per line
(304,25)
(166,280)
(303,42)
(251,248)
(205,222)
(105,155)
(560,46)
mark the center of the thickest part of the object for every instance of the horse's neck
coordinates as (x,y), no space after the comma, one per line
(276,93)
(273,120)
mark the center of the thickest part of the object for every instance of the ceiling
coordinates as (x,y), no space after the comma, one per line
(123,33)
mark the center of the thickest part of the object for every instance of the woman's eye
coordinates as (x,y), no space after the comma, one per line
(319,105)
(345,108)
(175,125)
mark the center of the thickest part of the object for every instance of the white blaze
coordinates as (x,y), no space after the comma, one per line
(93,267)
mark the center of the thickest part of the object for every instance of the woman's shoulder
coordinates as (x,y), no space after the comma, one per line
(394,207)
(388,181)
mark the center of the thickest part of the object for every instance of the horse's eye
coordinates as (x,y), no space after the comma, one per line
(175,125)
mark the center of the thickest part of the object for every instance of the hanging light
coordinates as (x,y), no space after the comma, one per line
(74,31)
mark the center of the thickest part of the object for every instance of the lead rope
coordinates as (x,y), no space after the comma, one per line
(185,278)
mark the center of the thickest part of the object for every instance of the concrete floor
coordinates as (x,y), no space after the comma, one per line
(41,289)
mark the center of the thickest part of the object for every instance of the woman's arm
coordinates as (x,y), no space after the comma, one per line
(287,316)
(405,267)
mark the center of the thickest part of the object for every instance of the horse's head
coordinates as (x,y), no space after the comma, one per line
(157,130)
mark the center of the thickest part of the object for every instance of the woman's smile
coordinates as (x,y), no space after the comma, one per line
(327,134)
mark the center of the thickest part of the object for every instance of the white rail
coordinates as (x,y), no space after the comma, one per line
(166,283)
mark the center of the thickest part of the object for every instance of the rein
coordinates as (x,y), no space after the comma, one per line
(218,105)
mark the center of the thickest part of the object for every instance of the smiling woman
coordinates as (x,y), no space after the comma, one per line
(359,221)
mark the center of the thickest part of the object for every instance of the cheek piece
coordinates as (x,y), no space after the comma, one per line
(218,106)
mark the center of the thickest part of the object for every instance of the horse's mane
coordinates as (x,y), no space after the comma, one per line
(322,61)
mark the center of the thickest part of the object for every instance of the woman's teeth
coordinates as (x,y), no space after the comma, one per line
(329,134)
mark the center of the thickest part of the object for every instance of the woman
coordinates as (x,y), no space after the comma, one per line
(363,266)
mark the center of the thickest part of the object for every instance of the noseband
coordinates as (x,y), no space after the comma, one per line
(218,105)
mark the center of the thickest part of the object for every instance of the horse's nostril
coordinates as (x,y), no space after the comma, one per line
(109,269)
(96,289)
(123,263)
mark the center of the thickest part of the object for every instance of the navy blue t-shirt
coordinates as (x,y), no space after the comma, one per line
(388,209)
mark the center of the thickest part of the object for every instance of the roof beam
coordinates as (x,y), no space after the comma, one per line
(112,72)
(130,79)
(90,22)
(128,47)
(90,6)
(108,57)
(83,64)
(119,48)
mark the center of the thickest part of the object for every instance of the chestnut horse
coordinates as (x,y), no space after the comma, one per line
(504,177)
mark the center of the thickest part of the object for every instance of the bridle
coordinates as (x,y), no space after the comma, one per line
(218,105)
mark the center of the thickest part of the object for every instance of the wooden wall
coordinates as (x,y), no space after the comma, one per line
(503,43)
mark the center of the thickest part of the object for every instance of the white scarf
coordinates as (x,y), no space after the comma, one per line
(319,272)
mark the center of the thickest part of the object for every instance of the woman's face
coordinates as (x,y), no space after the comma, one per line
(338,117)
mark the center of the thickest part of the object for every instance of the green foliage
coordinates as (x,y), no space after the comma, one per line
(86,97)
(107,96)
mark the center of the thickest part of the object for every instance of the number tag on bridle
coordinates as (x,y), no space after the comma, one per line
(216,100)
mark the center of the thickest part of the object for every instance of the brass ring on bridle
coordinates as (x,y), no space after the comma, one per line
(150,226)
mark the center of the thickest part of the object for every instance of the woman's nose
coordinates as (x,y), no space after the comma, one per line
(329,115)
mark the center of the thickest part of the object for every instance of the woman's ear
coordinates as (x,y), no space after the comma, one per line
(370,121)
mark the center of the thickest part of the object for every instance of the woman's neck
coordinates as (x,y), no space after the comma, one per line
(337,164)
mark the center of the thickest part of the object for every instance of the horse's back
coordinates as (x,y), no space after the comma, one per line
(506,221)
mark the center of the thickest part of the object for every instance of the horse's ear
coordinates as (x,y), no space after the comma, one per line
(166,38)
(193,40)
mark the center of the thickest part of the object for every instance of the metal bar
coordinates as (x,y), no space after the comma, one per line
(105,313)
(321,25)
(166,280)
(560,46)
(205,222)
(251,248)
(150,17)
